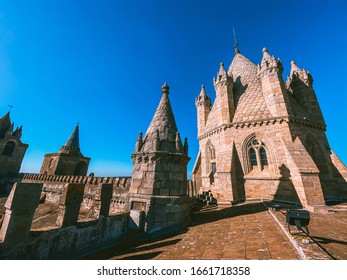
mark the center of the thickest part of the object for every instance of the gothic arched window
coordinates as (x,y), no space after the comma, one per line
(257,156)
(9,148)
(211,165)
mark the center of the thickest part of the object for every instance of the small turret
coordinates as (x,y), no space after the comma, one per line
(203,106)
(223,85)
(274,91)
(300,84)
(203,99)
(269,64)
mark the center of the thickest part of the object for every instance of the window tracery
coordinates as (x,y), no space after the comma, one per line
(257,155)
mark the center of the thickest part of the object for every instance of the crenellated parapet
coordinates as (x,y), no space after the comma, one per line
(53,186)
(63,230)
(92,180)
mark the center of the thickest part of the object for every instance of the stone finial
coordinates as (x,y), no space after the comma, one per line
(266,54)
(222,76)
(269,63)
(221,67)
(165,89)
(185,146)
(294,67)
(178,143)
(203,91)
(139,142)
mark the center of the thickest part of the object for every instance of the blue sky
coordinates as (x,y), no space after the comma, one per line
(102,64)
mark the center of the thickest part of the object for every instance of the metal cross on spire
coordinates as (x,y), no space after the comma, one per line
(11,106)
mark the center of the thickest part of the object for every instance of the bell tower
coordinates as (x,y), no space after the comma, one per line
(69,160)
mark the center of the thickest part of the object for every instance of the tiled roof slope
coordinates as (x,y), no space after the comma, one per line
(248,97)
(249,101)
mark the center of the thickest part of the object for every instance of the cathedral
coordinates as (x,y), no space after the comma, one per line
(261,138)
(264,138)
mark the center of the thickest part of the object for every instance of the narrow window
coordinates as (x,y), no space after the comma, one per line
(214,168)
(263,157)
(50,162)
(9,148)
(253,157)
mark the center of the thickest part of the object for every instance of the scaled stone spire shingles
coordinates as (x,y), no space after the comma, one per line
(249,100)
(163,122)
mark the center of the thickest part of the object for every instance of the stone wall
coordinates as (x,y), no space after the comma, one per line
(68,242)
(289,163)
(68,234)
(53,186)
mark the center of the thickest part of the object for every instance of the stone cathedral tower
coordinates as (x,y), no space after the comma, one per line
(264,138)
(159,178)
(12,150)
(69,160)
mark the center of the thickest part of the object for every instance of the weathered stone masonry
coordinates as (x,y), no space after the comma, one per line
(263,138)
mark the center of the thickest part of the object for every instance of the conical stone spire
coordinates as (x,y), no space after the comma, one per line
(162,124)
(73,143)
(159,177)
